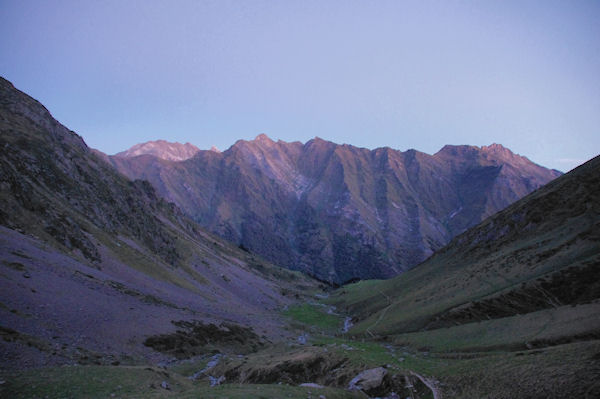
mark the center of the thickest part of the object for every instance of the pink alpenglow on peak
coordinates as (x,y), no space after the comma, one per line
(162,149)
(262,137)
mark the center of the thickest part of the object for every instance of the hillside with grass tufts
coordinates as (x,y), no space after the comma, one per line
(524,284)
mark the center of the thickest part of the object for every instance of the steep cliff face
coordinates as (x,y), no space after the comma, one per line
(339,212)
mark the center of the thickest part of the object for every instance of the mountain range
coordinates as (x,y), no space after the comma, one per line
(109,289)
(336,212)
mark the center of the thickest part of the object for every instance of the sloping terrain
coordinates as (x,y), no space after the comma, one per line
(108,291)
(340,212)
(542,252)
(92,264)
(525,282)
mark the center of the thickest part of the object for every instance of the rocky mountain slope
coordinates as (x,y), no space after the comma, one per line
(340,212)
(93,265)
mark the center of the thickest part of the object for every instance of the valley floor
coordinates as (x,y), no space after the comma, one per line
(328,360)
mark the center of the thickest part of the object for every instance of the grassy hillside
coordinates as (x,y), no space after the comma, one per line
(523,285)
(540,253)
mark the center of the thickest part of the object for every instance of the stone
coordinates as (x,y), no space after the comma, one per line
(302,339)
(311,385)
(368,379)
(214,381)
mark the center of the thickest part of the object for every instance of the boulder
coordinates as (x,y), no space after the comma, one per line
(214,381)
(311,385)
(368,380)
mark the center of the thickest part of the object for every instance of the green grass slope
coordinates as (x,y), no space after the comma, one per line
(510,308)
(540,253)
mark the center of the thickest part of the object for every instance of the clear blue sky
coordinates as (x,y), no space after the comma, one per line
(402,74)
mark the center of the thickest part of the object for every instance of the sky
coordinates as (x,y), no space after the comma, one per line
(400,74)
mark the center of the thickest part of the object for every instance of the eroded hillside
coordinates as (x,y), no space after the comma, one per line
(93,264)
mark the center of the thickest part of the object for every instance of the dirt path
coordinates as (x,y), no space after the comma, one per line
(381,316)
(429,384)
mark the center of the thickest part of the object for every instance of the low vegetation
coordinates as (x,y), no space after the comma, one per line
(195,338)
(316,317)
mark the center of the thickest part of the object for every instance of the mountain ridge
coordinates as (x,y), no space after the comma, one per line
(340,212)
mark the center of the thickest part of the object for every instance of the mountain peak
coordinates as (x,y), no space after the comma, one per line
(161,149)
(260,141)
(503,154)
(319,142)
(497,149)
(263,138)
(456,148)
(494,147)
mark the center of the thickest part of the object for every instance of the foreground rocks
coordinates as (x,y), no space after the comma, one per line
(318,368)
(195,338)
(368,380)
